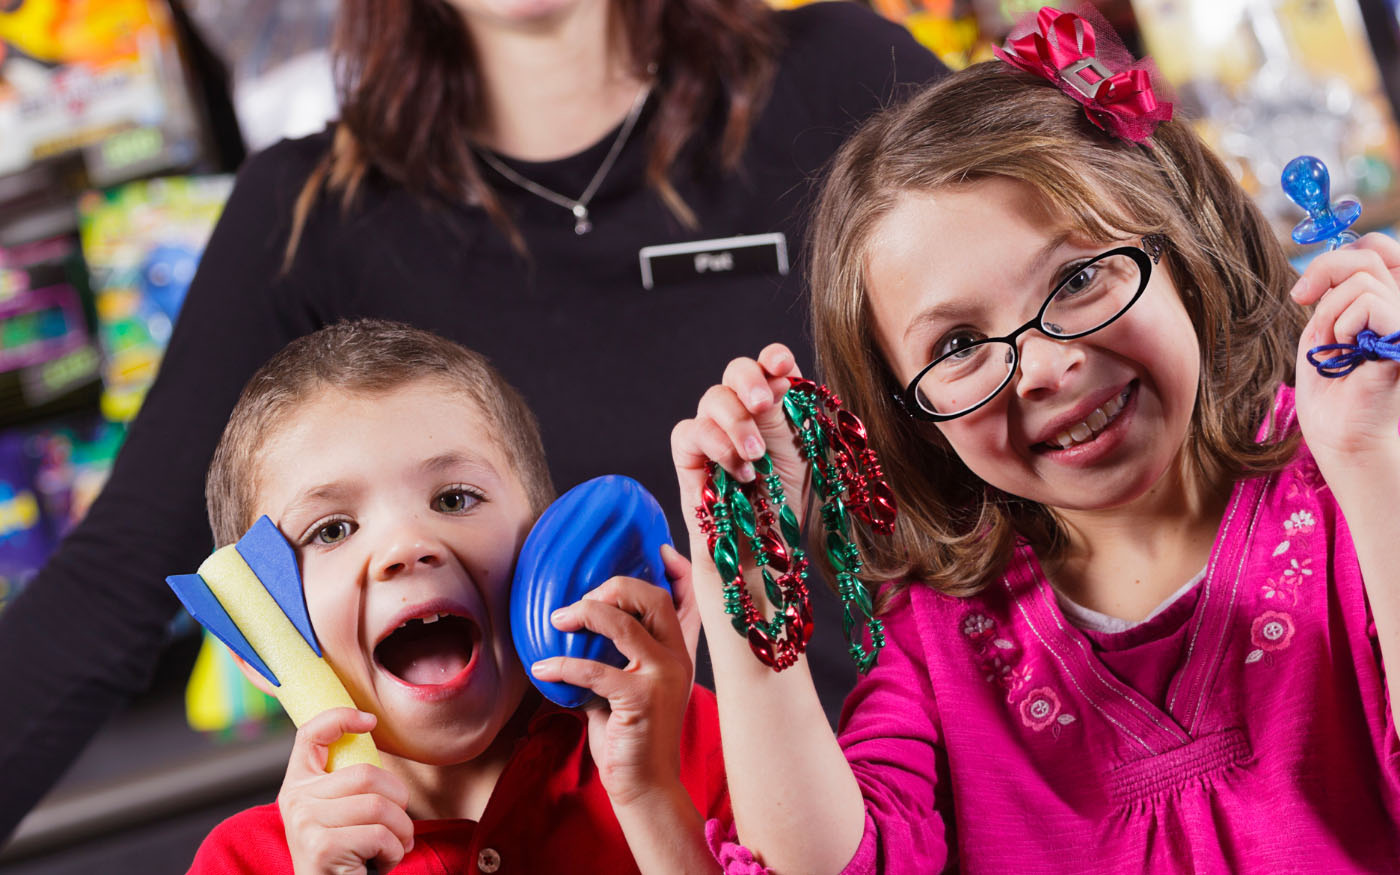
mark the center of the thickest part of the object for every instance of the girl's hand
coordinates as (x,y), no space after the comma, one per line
(634,730)
(336,822)
(1351,422)
(736,422)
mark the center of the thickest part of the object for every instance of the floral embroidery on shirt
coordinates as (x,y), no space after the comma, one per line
(1307,478)
(1040,708)
(998,659)
(1282,590)
(977,626)
(1300,522)
(1272,630)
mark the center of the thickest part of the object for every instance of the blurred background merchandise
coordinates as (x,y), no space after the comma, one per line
(120,124)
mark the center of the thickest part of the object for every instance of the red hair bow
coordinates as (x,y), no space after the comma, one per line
(1063,52)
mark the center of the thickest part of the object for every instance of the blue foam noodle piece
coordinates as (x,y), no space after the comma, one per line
(200,601)
(274,562)
(605,527)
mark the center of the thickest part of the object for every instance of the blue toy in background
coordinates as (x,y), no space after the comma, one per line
(166,274)
(605,527)
(25,539)
(1307,183)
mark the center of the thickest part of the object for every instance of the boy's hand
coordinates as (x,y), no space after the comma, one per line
(634,730)
(736,422)
(338,821)
(1351,422)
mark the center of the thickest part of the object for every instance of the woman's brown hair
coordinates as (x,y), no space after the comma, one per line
(954,531)
(411,97)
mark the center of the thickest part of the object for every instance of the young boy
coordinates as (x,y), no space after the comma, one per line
(406,473)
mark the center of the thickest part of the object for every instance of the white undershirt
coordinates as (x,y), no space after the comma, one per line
(1088,618)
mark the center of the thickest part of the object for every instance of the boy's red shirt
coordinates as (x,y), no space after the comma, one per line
(548,811)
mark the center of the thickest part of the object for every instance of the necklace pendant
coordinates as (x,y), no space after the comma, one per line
(581,223)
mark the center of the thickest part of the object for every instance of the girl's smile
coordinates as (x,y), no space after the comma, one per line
(1085,424)
(1081,440)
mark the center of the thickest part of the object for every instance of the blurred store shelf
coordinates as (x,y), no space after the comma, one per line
(147,790)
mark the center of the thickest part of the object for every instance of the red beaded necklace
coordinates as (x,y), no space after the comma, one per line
(848,480)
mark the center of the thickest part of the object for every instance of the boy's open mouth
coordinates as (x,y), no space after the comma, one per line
(430,650)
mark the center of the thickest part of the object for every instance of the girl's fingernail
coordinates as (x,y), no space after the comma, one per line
(758,396)
(542,665)
(753,448)
(559,616)
(746,472)
(1297,289)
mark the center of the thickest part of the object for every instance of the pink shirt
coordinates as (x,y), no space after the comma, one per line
(1244,729)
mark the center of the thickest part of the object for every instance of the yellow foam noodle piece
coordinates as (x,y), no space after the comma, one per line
(206,710)
(308,686)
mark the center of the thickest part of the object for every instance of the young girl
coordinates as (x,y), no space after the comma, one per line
(1146,570)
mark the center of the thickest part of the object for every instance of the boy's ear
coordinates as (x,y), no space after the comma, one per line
(253,676)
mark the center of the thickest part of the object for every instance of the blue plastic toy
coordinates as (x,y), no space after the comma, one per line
(605,527)
(1306,182)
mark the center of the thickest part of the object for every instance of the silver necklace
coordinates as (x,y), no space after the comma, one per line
(578,206)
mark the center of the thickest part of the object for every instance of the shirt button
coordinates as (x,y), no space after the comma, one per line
(488,860)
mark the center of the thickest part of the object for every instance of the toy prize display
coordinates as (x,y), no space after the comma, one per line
(1268,81)
(24,539)
(48,360)
(101,78)
(143,242)
(48,366)
(948,28)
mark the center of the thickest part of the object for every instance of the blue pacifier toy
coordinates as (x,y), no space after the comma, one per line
(1307,184)
(605,527)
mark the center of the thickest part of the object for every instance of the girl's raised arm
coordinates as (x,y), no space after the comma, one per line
(1350,423)
(796,801)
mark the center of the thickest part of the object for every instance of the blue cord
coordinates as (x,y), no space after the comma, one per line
(1369,345)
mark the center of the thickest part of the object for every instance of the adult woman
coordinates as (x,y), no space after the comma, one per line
(628,124)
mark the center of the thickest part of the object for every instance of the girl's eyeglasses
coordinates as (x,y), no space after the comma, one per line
(972,372)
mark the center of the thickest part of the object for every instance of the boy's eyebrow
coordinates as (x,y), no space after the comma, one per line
(945,310)
(334,491)
(455,459)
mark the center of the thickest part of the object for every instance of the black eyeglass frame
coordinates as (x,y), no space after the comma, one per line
(1145,256)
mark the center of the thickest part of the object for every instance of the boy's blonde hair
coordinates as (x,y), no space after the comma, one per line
(369,356)
(954,531)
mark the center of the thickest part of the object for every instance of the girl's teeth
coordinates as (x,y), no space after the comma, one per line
(1093,424)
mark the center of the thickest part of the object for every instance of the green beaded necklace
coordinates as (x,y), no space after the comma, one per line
(848,480)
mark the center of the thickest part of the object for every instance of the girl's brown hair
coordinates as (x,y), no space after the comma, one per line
(411,97)
(954,531)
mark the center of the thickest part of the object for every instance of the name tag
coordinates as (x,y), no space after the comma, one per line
(680,262)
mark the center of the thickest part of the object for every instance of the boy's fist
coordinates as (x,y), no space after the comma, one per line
(336,822)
